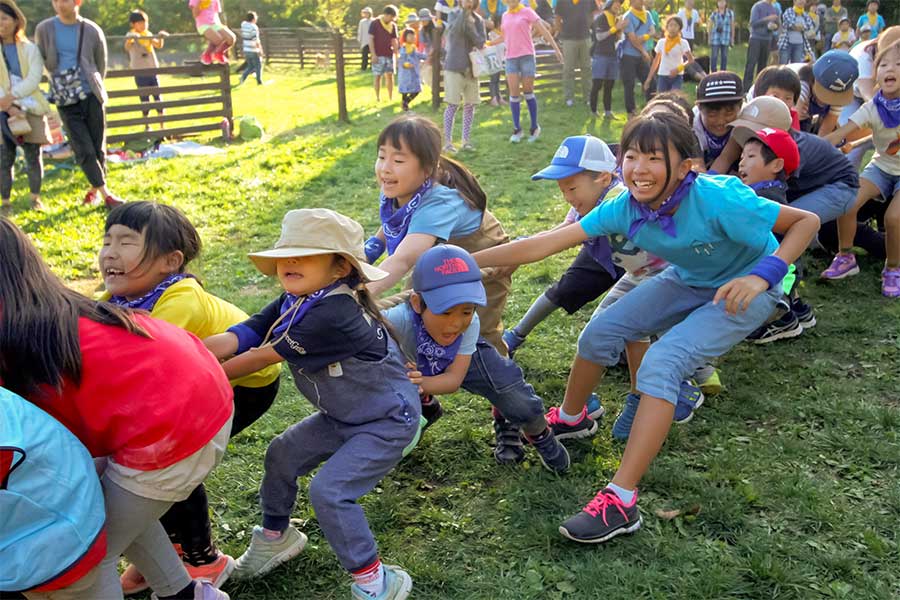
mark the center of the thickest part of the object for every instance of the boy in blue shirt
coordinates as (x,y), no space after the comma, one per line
(438,329)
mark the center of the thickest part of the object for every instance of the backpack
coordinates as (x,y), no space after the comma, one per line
(249,128)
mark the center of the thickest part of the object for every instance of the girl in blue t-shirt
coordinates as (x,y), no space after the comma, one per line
(723,282)
(428,199)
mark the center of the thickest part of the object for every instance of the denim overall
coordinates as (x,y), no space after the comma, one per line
(368,412)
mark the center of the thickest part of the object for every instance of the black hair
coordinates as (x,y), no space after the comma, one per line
(166,229)
(407,32)
(768,155)
(251,16)
(7,10)
(777,76)
(423,138)
(677,19)
(137,16)
(39,335)
(675,101)
(390,9)
(655,133)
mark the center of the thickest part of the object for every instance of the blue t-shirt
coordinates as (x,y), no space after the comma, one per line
(639,29)
(879,24)
(723,230)
(67,49)
(445,215)
(11,54)
(401,319)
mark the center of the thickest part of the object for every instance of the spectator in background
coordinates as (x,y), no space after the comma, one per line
(872,19)
(831,23)
(81,107)
(635,63)
(573,22)
(844,38)
(426,31)
(362,35)
(492,11)
(544,10)
(689,17)
(141,46)
(764,20)
(721,35)
(383,44)
(465,32)
(794,46)
(604,63)
(252,48)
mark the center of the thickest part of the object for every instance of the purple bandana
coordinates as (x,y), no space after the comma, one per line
(306,303)
(149,300)
(395,222)
(764,185)
(598,247)
(432,358)
(663,214)
(714,143)
(888,110)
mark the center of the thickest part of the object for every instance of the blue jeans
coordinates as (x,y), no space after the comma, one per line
(827,202)
(698,330)
(254,65)
(791,53)
(719,50)
(664,83)
(524,66)
(500,380)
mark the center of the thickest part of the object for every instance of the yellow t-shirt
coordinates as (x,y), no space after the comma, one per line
(187,305)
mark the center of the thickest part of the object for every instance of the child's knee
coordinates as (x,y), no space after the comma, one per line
(597,345)
(276,454)
(321,493)
(662,371)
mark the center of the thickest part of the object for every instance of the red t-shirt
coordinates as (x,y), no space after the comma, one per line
(146,403)
(382,37)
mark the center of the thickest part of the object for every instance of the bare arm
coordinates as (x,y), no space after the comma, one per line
(222,345)
(829,122)
(447,382)
(730,153)
(866,88)
(654,67)
(532,249)
(372,45)
(251,361)
(841,133)
(401,261)
(545,33)
(195,10)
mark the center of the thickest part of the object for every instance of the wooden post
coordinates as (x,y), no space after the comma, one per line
(225,79)
(436,68)
(339,75)
(300,48)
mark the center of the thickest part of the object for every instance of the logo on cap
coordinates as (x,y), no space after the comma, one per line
(838,85)
(451,266)
(562,152)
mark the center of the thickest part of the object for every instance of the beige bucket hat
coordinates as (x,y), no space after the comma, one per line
(313,231)
(759,113)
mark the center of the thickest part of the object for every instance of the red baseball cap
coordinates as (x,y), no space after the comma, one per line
(782,144)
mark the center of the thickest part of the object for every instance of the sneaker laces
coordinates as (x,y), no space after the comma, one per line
(604,499)
(553,417)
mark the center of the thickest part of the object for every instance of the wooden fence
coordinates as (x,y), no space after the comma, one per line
(202,104)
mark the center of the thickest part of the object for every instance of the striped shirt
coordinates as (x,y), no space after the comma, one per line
(250,36)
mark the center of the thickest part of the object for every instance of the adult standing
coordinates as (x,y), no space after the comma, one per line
(604,63)
(362,35)
(74,51)
(796,24)
(635,63)
(764,19)
(573,22)
(20,76)
(690,17)
(383,44)
(872,19)
(832,20)
(721,35)
(465,32)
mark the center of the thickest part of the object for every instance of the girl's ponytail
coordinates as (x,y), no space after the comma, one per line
(454,174)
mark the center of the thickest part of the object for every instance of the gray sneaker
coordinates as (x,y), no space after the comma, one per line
(397,586)
(263,555)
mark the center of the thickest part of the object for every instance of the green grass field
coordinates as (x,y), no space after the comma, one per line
(787,482)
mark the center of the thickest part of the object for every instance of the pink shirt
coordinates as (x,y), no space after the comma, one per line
(209,11)
(517,32)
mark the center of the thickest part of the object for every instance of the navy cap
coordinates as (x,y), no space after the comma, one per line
(576,154)
(447,276)
(835,72)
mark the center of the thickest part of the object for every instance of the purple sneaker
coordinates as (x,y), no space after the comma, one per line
(890,283)
(843,265)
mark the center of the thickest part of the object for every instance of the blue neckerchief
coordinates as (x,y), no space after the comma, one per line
(663,214)
(149,300)
(395,222)
(598,247)
(300,305)
(888,110)
(714,143)
(816,109)
(764,185)
(432,358)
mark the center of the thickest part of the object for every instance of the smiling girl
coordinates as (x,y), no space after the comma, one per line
(723,282)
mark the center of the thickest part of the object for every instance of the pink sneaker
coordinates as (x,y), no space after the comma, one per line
(890,283)
(206,58)
(220,57)
(843,265)
(584,427)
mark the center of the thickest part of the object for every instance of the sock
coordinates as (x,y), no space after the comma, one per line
(187,592)
(515,107)
(468,119)
(539,310)
(370,579)
(540,436)
(449,117)
(271,535)
(531,101)
(626,496)
(567,418)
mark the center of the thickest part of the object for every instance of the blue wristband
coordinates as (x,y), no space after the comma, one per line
(771,269)
(247,338)
(374,247)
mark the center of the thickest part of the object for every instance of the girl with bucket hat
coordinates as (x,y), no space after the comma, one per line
(344,361)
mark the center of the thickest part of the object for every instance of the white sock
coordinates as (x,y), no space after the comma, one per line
(371,579)
(567,418)
(626,496)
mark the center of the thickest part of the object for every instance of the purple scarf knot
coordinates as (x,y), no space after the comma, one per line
(663,214)
(395,222)
(431,357)
(598,247)
(149,300)
(764,185)
(888,110)
(290,303)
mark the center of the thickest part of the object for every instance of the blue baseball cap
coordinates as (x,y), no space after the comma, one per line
(835,72)
(447,276)
(576,154)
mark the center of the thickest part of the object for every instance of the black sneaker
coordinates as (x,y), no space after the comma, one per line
(786,327)
(804,313)
(554,455)
(431,410)
(509,449)
(605,517)
(585,427)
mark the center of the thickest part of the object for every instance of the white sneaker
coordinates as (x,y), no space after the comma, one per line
(516,137)
(535,134)
(264,554)
(570,102)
